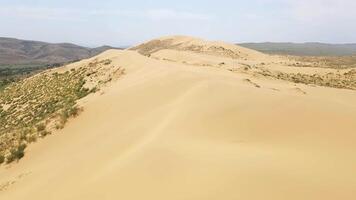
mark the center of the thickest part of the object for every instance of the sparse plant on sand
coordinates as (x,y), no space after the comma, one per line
(16,153)
(40,127)
(2,159)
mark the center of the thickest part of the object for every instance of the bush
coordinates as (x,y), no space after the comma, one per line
(59,126)
(106,62)
(16,154)
(40,127)
(31,139)
(44,133)
(73,112)
(93,90)
(2,159)
(83,92)
(65,114)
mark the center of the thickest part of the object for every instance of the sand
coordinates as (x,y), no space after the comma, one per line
(170,129)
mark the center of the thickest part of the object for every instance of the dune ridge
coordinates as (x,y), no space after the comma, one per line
(191,123)
(191,44)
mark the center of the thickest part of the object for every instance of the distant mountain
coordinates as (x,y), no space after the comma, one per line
(24,52)
(303,49)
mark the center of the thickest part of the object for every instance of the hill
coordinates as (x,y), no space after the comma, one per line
(303,49)
(24,52)
(181,118)
(23,58)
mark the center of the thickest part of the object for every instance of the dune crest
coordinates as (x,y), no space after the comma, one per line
(191,44)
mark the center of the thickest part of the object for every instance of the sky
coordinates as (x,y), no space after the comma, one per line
(128,22)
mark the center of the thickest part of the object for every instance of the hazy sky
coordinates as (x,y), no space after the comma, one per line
(118,22)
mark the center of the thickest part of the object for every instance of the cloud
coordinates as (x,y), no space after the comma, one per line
(153,14)
(257,20)
(167,14)
(40,13)
(65,14)
(323,10)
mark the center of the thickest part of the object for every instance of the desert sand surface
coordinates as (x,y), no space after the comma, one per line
(192,119)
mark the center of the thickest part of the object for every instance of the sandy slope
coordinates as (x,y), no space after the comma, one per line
(169,130)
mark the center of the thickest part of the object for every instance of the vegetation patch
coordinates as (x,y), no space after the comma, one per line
(31,108)
(346,80)
(333,62)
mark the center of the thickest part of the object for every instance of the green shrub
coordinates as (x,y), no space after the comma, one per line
(2,159)
(16,154)
(44,133)
(59,126)
(93,90)
(106,62)
(40,127)
(31,138)
(73,111)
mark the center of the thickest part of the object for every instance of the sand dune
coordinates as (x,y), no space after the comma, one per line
(192,124)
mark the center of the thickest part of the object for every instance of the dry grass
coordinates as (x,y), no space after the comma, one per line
(335,79)
(334,62)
